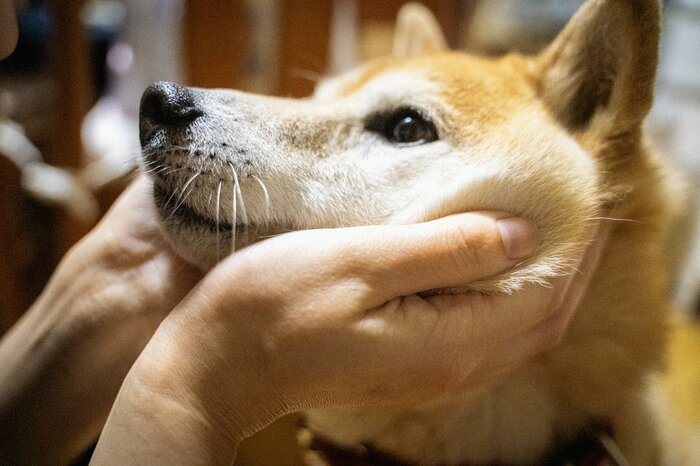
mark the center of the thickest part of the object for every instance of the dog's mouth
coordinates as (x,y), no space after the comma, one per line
(180,214)
(169,209)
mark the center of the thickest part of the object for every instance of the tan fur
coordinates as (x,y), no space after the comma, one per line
(556,138)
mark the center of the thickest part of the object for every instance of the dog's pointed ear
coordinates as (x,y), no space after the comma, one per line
(600,70)
(417,32)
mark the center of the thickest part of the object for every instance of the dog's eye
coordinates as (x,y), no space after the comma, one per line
(405,127)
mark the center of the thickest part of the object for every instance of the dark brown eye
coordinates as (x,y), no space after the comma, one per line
(403,127)
(412,130)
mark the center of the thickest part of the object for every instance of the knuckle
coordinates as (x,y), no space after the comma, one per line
(361,277)
(359,291)
(469,250)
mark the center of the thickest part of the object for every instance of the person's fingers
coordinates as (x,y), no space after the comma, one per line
(450,252)
(8,28)
(520,348)
(502,316)
(462,322)
(511,328)
(374,264)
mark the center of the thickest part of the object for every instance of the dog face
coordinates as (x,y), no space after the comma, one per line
(424,134)
(392,143)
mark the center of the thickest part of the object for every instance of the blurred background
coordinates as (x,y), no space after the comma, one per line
(69,96)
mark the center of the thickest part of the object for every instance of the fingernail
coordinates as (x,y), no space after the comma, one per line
(519,237)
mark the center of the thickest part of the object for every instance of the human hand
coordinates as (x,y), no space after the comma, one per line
(62,364)
(124,265)
(281,326)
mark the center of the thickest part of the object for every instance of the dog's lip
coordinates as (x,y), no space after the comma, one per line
(186,213)
(190,217)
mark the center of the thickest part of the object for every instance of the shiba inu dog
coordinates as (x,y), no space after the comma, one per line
(556,138)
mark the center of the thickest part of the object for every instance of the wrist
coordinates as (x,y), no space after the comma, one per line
(181,407)
(163,426)
(217,374)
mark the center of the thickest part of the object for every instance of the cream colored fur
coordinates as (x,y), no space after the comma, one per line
(556,138)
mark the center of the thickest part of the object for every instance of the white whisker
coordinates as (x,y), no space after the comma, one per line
(153,169)
(244,214)
(266,196)
(171,170)
(234,217)
(182,197)
(218,234)
(186,185)
(170,198)
(239,193)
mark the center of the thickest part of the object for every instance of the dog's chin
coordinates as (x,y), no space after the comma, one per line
(200,239)
(197,244)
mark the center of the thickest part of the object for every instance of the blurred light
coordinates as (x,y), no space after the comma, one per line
(120,58)
(104,14)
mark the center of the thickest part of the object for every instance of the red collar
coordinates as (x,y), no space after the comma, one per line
(592,446)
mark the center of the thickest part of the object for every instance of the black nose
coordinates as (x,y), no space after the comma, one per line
(166,103)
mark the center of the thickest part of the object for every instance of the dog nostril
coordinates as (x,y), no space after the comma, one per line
(167,103)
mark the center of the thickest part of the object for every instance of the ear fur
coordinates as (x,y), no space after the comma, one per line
(417,32)
(602,66)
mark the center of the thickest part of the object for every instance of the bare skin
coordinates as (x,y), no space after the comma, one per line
(307,319)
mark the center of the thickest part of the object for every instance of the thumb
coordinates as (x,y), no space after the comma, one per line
(400,260)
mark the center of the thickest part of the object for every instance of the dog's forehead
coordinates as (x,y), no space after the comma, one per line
(400,88)
(395,84)
(338,86)
(450,80)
